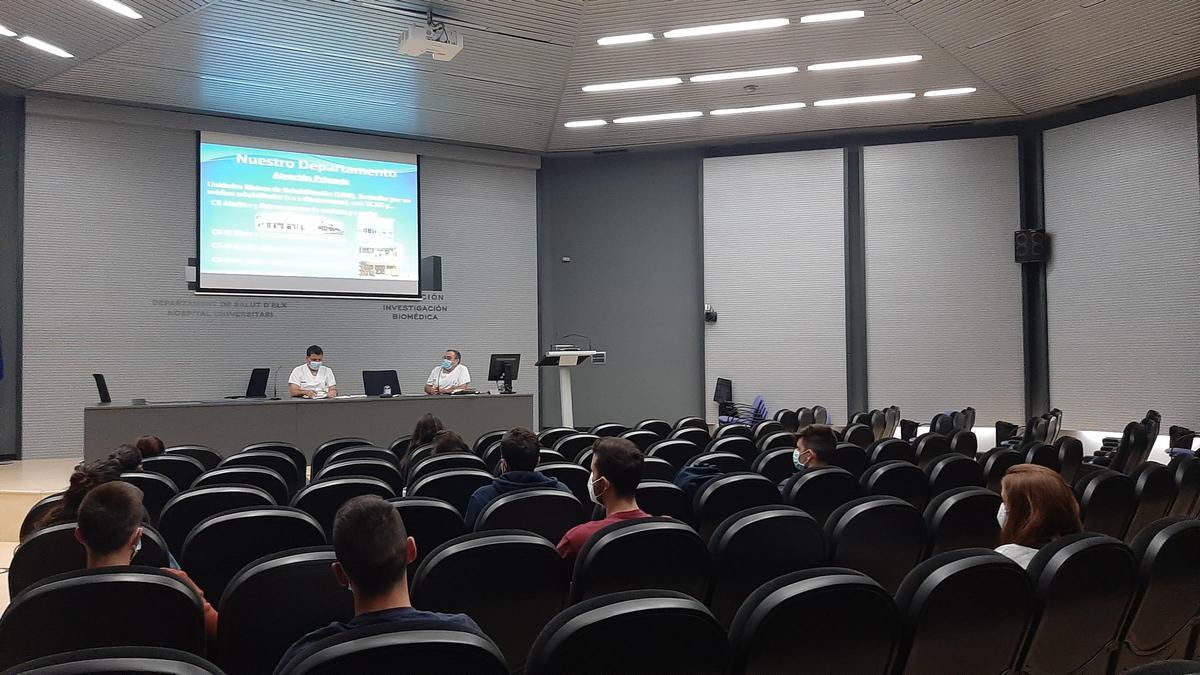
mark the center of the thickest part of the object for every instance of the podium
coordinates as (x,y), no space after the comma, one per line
(565,361)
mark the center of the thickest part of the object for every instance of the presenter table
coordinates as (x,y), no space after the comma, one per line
(229,425)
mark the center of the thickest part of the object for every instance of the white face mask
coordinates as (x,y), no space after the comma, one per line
(1002,515)
(592,492)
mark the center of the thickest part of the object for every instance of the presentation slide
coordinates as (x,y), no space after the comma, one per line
(292,218)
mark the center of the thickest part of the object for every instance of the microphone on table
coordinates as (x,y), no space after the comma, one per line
(275,384)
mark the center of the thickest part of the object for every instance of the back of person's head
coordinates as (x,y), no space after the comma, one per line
(620,462)
(109,516)
(447,441)
(820,440)
(519,449)
(1040,507)
(371,545)
(150,446)
(87,475)
(425,430)
(127,457)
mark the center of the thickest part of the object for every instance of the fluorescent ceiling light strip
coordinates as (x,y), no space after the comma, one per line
(717,29)
(6,32)
(763,72)
(625,39)
(877,98)
(833,16)
(119,8)
(46,47)
(634,84)
(577,124)
(657,117)
(758,108)
(951,92)
(863,63)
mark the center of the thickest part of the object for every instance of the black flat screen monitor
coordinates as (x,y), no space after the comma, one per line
(724,391)
(503,368)
(257,387)
(375,380)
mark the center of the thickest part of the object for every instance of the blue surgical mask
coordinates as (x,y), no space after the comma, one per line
(315,365)
(446,364)
(796,459)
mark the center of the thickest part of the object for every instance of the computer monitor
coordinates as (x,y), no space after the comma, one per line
(503,369)
(724,391)
(375,380)
(102,387)
(257,387)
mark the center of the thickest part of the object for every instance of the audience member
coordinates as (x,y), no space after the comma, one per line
(616,472)
(110,529)
(446,441)
(815,445)
(518,463)
(373,551)
(86,476)
(127,457)
(1037,507)
(150,446)
(426,428)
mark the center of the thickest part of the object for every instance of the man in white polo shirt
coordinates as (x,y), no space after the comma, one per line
(313,379)
(449,377)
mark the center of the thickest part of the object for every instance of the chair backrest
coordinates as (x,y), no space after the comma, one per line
(1043,455)
(728,494)
(851,458)
(661,553)
(101,608)
(424,450)
(1187,485)
(573,476)
(273,602)
(892,449)
(423,648)
(776,439)
(882,537)
(694,434)
(1070,456)
(642,438)
(372,468)
(491,457)
(892,414)
(54,550)
(488,437)
(1155,489)
(544,511)
(658,631)
(860,434)
(452,485)
(804,417)
(608,429)
(878,424)
(738,445)
(1082,587)
(323,452)
(676,451)
(288,449)
(510,582)
(660,427)
(818,492)
(727,462)
(789,419)
(995,463)
(964,443)
(851,625)
(114,660)
(662,498)
(751,547)
(737,429)
(269,459)
(322,499)
(657,468)
(963,517)
(777,465)
(37,512)
(821,415)
(181,469)
(1133,440)
(267,480)
(690,421)
(1166,593)
(361,452)
(953,471)
(547,456)
(449,460)
(570,446)
(201,453)
(765,428)
(188,508)
(930,446)
(223,544)
(965,611)
(897,478)
(1107,502)
(399,446)
(156,489)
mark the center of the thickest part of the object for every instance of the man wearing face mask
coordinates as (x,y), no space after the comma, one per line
(815,445)
(616,472)
(518,463)
(449,377)
(313,379)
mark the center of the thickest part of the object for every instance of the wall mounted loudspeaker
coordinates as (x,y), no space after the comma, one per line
(1031,246)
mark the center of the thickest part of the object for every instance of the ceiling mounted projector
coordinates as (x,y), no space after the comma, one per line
(433,38)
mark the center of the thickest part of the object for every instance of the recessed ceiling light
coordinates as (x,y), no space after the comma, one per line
(719,28)
(764,72)
(634,84)
(46,47)
(951,92)
(833,16)
(118,7)
(865,99)
(625,39)
(6,32)
(758,108)
(584,123)
(657,117)
(863,63)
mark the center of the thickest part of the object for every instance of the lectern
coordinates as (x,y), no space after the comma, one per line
(565,361)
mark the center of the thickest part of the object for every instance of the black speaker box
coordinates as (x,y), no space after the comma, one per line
(1031,246)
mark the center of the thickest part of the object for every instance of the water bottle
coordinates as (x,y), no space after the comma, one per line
(387,390)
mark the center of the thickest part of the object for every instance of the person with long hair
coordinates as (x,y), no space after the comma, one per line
(426,428)
(1037,507)
(87,475)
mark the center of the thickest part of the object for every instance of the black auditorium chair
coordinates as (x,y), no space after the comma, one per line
(573,476)
(738,445)
(995,463)
(1106,501)
(608,429)
(288,449)
(953,471)
(1155,489)
(727,462)
(419,647)
(362,452)
(101,608)
(547,437)
(728,494)
(804,417)
(648,553)
(642,438)
(649,631)
(208,457)
(851,458)
(322,499)
(689,421)
(963,517)
(753,546)
(273,602)
(818,492)
(54,550)
(546,456)
(897,478)
(156,489)
(848,623)
(1070,456)
(965,611)
(421,452)
(372,468)
(399,446)
(492,455)
(452,485)
(694,434)
(657,468)
(765,428)
(677,451)
(660,427)
(930,446)
(188,508)
(488,437)
(262,478)
(1166,595)
(571,446)
(430,522)
(777,465)
(1187,485)
(742,430)
(891,449)
(524,585)
(778,439)
(1043,455)
(37,512)
(584,459)
(113,660)
(882,537)
(878,424)
(1082,586)
(181,469)
(964,443)
(859,434)
(543,511)
(268,459)
(223,544)
(663,498)
(821,415)
(325,450)
(789,419)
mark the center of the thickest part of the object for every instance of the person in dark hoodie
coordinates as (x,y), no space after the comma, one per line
(518,459)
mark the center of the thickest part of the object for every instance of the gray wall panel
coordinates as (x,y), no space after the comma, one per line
(1123,208)
(774,271)
(12,125)
(943,293)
